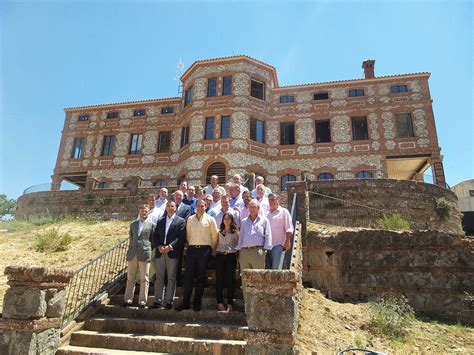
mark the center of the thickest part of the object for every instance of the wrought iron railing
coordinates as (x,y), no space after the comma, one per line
(94,279)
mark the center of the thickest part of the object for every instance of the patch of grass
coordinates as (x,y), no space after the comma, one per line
(51,241)
(394,222)
(15,225)
(443,208)
(392,316)
(41,221)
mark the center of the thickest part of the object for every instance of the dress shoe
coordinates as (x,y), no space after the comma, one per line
(126,304)
(169,306)
(156,305)
(182,307)
(141,305)
(197,307)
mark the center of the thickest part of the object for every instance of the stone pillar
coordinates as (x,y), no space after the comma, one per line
(91,183)
(33,307)
(438,174)
(272,309)
(56,183)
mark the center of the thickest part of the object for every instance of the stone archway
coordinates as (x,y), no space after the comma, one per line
(218,169)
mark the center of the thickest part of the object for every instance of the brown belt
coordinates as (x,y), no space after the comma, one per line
(254,247)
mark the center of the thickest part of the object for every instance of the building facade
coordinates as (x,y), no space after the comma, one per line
(233,117)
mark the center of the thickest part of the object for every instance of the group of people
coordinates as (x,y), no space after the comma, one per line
(237,226)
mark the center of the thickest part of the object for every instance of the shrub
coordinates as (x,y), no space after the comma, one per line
(41,221)
(392,316)
(103,201)
(89,199)
(52,240)
(443,208)
(394,222)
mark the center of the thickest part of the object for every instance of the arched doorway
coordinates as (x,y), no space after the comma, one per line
(216,169)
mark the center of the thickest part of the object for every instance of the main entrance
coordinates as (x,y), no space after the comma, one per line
(216,169)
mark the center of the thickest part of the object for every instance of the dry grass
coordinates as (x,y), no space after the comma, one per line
(89,239)
(327,327)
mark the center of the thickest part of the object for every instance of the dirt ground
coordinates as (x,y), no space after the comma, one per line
(327,327)
(89,239)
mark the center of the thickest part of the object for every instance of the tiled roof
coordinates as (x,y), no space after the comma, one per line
(123,103)
(232,57)
(355,80)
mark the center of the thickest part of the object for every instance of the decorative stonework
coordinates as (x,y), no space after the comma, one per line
(341,129)
(388,125)
(273,133)
(240,125)
(305,131)
(373,126)
(419,123)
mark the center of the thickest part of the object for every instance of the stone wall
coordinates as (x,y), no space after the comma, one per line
(434,270)
(362,202)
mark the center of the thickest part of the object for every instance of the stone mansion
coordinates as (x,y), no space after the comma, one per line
(234,117)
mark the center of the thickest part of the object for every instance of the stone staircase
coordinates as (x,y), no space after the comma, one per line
(115,329)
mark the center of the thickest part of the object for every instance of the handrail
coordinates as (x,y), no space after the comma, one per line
(93,279)
(289,253)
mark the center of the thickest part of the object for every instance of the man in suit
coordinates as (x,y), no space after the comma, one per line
(139,257)
(183,211)
(168,239)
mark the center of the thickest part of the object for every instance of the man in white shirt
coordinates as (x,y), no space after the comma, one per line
(209,189)
(216,199)
(235,199)
(260,180)
(218,213)
(238,181)
(154,213)
(162,198)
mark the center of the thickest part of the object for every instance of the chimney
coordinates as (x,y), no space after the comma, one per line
(368,66)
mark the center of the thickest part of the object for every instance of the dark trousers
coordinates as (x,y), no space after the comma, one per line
(196,268)
(226,264)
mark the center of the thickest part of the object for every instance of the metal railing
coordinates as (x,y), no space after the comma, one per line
(94,279)
(289,252)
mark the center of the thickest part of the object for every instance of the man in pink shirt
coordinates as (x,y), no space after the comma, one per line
(282,232)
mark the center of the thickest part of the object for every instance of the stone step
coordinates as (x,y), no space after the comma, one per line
(204,316)
(157,327)
(209,291)
(81,350)
(156,343)
(206,302)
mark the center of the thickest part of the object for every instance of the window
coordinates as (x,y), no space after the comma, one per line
(286,99)
(359,128)
(77,146)
(139,113)
(287,133)
(136,144)
(184,136)
(113,115)
(404,125)
(399,88)
(257,89)
(159,183)
(471,193)
(356,92)
(257,130)
(102,185)
(321,96)
(285,179)
(165,110)
(83,118)
(211,87)
(227,85)
(128,184)
(364,175)
(188,97)
(164,142)
(108,146)
(209,129)
(323,131)
(225,126)
(325,176)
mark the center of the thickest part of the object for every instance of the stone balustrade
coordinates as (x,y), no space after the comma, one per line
(33,307)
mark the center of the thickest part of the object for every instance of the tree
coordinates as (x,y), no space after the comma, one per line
(6,206)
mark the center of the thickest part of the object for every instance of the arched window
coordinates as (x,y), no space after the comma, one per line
(159,183)
(285,179)
(216,169)
(364,175)
(128,184)
(325,176)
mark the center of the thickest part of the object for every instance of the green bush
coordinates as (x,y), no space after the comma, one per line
(52,240)
(41,221)
(392,316)
(394,222)
(443,208)
(103,201)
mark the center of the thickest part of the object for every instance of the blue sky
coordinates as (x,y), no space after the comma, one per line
(61,54)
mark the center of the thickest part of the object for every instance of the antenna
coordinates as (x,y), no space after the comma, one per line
(179,72)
